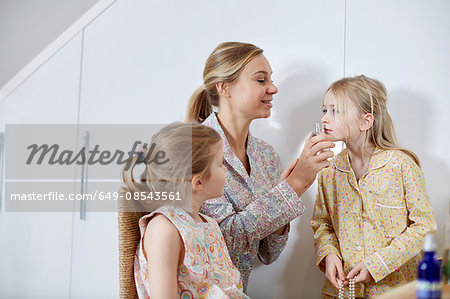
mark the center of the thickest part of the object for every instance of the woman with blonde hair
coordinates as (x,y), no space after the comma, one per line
(372,210)
(259,201)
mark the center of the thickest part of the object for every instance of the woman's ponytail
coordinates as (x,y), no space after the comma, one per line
(199,106)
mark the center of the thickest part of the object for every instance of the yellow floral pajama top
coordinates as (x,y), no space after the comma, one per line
(380,220)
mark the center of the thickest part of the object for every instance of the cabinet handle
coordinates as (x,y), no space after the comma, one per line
(2,155)
(84,177)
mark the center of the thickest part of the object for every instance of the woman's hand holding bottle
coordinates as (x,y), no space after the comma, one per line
(313,158)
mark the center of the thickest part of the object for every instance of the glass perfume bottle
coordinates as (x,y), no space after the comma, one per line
(317,129)
(429,283)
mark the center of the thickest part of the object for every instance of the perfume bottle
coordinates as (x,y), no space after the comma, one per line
(429,283)
(317,129)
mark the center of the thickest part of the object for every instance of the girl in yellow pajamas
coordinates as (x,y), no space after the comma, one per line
(371,211)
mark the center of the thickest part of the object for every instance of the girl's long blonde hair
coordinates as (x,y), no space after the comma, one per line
(368,96)
(224,64)
(187,153)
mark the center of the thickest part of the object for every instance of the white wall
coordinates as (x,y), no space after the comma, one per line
(143,59)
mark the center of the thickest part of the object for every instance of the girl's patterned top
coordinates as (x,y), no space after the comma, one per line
(253,206)
(207,270)
(380,220)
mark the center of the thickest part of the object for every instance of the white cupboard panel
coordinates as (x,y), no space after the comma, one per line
(144,59)
(35,251)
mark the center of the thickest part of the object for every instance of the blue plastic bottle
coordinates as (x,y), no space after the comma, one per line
(429,283)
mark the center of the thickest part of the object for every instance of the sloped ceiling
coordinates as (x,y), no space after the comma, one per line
(29,27)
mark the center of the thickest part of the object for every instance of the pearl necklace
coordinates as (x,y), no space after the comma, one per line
(351,289)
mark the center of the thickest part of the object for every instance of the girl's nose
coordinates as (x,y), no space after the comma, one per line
(324,119)
(272,89)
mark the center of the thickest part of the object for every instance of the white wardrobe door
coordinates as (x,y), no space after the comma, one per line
(144,59)
(35,250)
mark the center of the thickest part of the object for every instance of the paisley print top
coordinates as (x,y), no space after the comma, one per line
(206,271)
(254,205)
